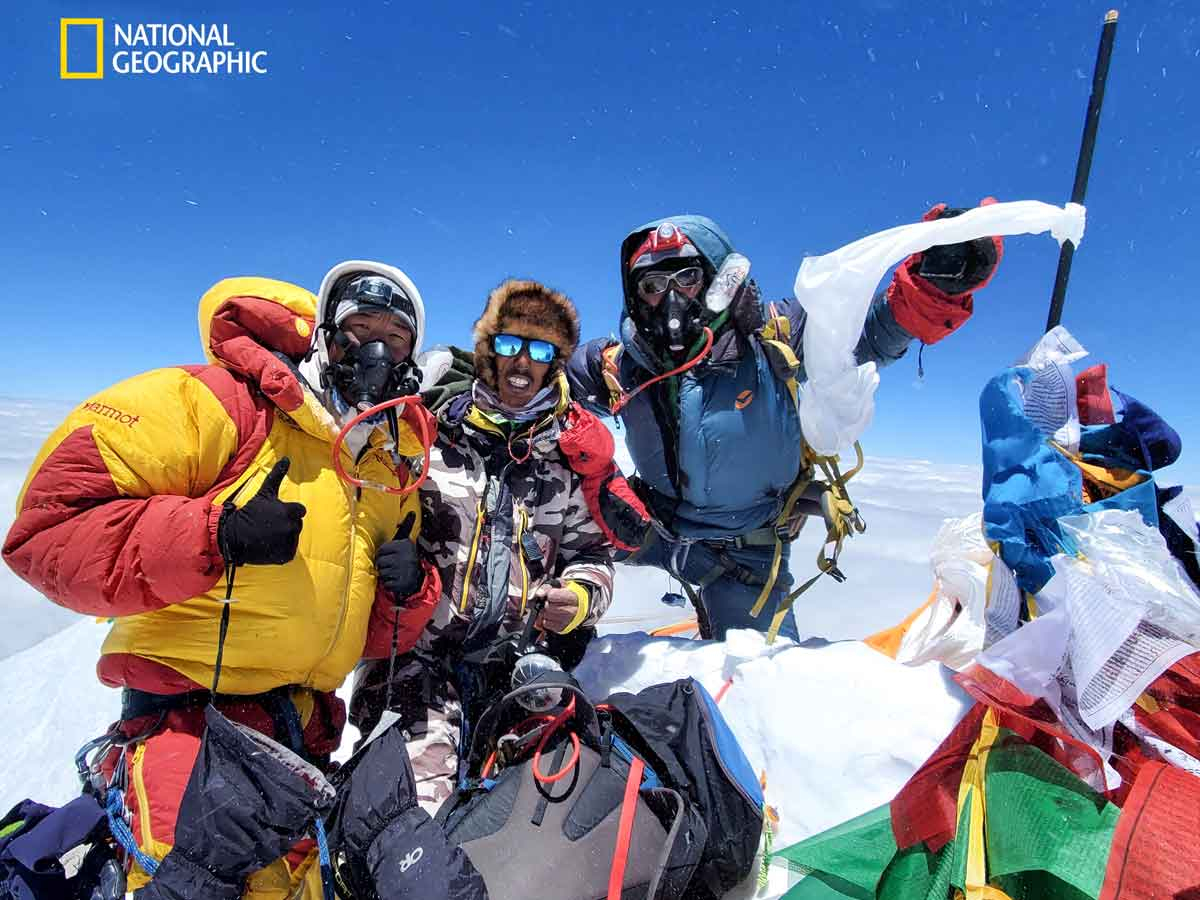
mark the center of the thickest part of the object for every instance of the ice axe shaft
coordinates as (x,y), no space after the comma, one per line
(1083,166)
(535,610)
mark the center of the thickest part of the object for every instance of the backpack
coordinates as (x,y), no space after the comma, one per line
(679,730)
(644,796)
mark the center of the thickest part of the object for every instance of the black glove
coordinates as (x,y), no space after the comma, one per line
(623,511)
(398,562)
(264,532)
(382,843)
(963,267)
(247,801)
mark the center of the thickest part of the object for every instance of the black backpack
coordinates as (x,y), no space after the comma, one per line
(637,797)
(679,730)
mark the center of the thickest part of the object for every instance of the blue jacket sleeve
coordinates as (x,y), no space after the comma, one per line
(883,339)
(584,373)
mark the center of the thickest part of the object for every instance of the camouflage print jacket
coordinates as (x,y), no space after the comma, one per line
(503,516)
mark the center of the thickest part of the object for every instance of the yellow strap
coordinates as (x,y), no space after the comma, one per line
(972,797)
(761,601)
(786,604)
(775,335)
(522,524)
(798,489)
(842,518)
(1148,704)
(466,589)
(611,373)
(581,611)
(790,360)
(777,328)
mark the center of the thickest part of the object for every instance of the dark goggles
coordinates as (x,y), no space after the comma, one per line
(653,286)
(512,345)
(375,290)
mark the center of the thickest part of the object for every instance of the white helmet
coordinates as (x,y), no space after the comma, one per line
(409,305)
(382,287)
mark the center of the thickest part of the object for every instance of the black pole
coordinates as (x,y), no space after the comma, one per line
(1084,166)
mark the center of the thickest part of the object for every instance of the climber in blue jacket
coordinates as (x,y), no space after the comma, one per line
(710,418)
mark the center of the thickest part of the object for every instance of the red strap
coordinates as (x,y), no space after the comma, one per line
(616,876)
(724,689)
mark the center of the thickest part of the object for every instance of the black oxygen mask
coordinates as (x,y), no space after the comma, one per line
(367,374)
(682,322)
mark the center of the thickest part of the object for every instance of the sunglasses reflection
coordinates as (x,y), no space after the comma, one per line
(512,345)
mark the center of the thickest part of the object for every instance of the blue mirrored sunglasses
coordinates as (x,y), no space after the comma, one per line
(512,345)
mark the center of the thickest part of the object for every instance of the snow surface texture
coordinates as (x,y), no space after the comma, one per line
(27,617)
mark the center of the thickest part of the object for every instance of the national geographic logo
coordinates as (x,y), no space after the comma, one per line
(153,48)
(64,33)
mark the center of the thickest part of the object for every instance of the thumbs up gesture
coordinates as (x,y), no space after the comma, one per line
(398,562)
(264,532)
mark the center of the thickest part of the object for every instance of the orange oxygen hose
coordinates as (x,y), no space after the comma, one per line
(411,404)
(620,402)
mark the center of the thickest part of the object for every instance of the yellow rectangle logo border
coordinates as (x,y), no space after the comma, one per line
(63,71)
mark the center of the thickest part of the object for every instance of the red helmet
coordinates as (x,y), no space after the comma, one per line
(667,241)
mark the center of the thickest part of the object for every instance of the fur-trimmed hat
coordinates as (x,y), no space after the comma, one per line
(529,309)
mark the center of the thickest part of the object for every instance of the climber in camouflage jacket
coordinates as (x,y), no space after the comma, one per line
(506,520)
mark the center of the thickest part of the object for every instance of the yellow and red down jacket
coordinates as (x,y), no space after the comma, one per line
(118,516)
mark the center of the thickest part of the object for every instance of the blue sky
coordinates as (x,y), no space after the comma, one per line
(484,141)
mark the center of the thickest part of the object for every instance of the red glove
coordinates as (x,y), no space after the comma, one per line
(932,293)
(588,448)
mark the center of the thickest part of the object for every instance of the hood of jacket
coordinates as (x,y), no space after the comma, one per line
(263,329)
(714,246)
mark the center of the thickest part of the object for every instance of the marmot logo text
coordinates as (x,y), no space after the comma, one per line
(111,412)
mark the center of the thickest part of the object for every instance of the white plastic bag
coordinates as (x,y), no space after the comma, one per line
(975,600)
(1131,561)
(1049,398)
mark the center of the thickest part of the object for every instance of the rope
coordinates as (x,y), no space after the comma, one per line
(528,438)
(550,729)
(724,689)
(323,858)
(230,572)
(387,702)
(115,810)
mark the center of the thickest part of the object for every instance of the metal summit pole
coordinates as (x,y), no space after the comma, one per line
(1084,165)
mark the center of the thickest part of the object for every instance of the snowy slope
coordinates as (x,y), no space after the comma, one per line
(27,617)
(50,704)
